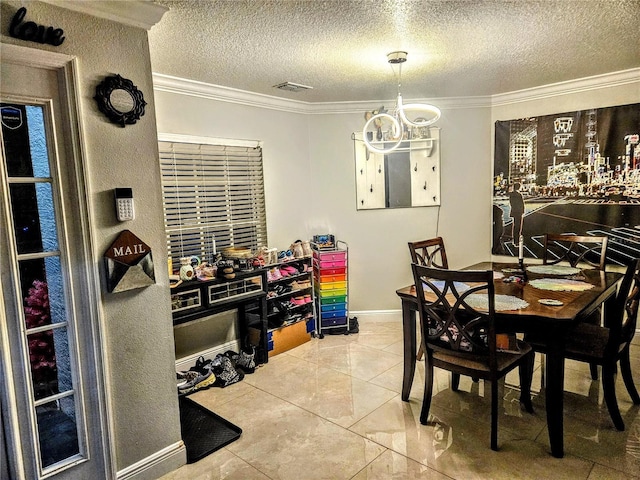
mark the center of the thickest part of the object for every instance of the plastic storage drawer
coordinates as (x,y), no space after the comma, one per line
(333,322)
(334,314)
(332,285)
(330,256)
(332,300)
(330,271)
(332,278)
(330,264)
(331,307)
(331,293)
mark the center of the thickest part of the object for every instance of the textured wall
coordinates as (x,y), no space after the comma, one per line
(138,330)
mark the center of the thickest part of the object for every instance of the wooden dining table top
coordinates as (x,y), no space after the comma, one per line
(575,304)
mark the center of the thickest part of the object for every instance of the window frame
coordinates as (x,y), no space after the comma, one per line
(203,237)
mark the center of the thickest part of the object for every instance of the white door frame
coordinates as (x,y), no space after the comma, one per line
(67,66)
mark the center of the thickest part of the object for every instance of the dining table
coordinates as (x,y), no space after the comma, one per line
(550,301)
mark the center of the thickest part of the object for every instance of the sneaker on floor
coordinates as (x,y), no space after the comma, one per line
(184,377)
(225,373)
(245,361)
(203,380)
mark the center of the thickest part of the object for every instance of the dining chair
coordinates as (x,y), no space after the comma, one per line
(430,253)
(457,314)
(578,249)
(575,249)
(609,344)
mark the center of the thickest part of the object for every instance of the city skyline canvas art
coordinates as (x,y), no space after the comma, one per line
(571,172)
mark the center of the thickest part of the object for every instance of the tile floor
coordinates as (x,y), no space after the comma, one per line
(331,409)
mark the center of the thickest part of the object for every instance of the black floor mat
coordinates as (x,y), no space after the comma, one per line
(204,432)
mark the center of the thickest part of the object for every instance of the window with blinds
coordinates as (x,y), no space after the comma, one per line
(213,197)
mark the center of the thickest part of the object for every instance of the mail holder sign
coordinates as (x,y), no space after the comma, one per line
(128,263)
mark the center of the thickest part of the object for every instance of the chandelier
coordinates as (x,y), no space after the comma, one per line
(397,121)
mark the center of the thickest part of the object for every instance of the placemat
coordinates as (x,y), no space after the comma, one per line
(439,284)
(502,302)
(560,285)
(553,269)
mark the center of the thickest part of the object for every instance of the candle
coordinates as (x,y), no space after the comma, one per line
(521,248)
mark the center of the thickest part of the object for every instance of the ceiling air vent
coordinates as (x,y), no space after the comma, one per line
(292,87)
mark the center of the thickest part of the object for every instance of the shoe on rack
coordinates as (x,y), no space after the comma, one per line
(307,299)
(298,301)
(296,248)
(306,248)
(276,274)
(288,270)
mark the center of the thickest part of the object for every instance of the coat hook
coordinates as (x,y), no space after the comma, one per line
(425,185)
(361,202)
(379,169)
(415,168)
(433,168)
(361,171)
(434,198)
(371,188)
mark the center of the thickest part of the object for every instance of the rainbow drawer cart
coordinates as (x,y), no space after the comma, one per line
(330,275)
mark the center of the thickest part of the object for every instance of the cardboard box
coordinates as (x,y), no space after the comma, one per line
(286,338)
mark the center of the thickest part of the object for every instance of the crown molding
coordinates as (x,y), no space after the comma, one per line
(194,88)
(135,13)
(596,82)
(182,86)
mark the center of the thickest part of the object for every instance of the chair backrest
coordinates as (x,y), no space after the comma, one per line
(624,317)
(457,310)
(430,253)
(575,249)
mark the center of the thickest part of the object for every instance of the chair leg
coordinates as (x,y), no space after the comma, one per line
(455,381)
(420,354)
(526,376)
(593,368)
(609,388)
(494,415)
(625,369)
(428,388)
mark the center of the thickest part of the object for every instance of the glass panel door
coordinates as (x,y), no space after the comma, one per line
(46,321)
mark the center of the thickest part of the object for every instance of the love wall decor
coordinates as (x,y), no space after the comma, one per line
(32,32)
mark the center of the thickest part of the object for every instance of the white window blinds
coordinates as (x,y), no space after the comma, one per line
(213,197)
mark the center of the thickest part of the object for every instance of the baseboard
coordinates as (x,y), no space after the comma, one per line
(376,313)
(185,363)
(154,466)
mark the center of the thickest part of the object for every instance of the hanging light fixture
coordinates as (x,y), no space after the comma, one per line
(397,119)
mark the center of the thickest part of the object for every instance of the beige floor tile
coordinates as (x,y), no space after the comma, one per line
(459,447)
(603,473)
(213,397)
(331,409)
(393,466)
(284,441)
(221,465)
(360,361)
(597,440)
(333,395)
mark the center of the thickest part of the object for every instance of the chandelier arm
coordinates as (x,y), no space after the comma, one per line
(422,107)
(397,128)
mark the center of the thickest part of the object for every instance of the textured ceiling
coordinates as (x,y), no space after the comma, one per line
(339,47)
